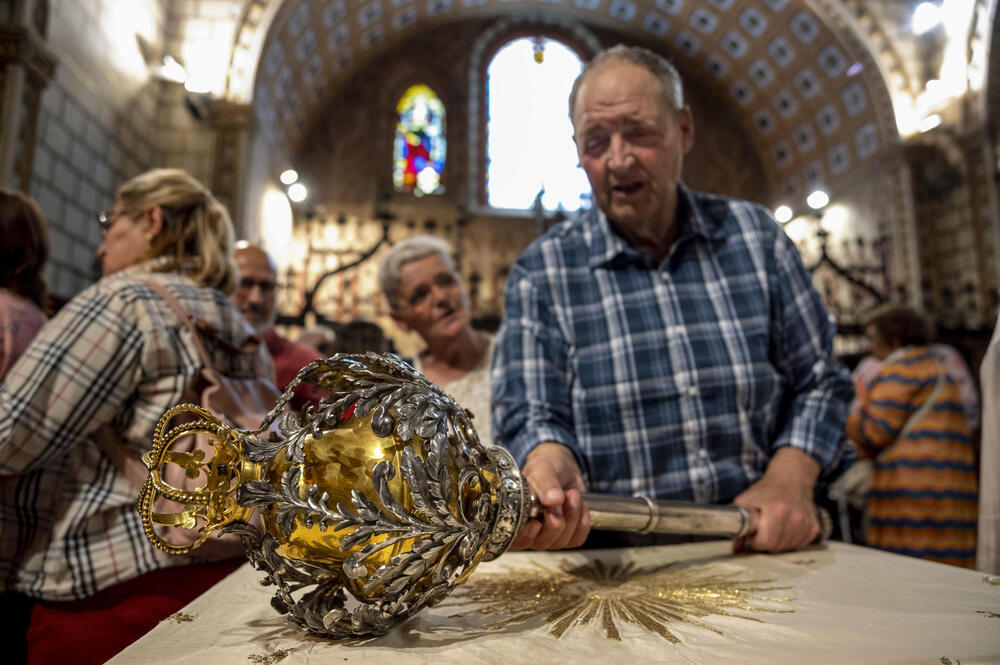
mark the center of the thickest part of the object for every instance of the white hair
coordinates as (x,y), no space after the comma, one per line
(408,251)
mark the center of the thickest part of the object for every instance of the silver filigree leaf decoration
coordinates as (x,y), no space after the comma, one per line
(287,503)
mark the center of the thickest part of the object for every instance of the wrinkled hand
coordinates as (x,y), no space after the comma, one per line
(552,472)
(781,505)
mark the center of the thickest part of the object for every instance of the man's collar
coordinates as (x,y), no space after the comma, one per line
(607,246)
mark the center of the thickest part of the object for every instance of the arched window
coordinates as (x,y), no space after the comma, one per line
(419,147)
(529,135)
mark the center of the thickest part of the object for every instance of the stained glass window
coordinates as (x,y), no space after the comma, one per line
(530,150)
(419,148)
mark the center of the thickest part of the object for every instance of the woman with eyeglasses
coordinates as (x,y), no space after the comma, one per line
(426,296)
(109,364)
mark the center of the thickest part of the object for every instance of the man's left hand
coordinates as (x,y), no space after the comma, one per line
(782,504)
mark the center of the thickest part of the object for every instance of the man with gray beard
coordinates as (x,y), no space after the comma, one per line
(254,296)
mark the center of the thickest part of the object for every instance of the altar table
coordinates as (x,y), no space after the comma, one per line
(691,603)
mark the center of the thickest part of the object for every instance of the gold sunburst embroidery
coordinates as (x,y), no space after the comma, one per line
(180,617)
(612,594)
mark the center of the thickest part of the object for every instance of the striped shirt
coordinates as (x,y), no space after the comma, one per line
(677,380)
(115,354)
(922,500)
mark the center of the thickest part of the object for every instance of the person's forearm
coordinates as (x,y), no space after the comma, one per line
(794,467)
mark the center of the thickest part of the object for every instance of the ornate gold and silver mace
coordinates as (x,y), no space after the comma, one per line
(372,505)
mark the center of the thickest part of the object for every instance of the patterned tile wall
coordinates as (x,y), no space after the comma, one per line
(93,128)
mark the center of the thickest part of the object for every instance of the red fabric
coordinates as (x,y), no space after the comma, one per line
(289,357)
(91,631)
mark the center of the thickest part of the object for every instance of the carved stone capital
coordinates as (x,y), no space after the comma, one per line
(230,115)
(22,46)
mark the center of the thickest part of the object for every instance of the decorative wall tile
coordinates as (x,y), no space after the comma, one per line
(306,45)
(814,175)
(838,159)
(670,6)
(283,84)
(655,24)
(438,7)
(370,13)
(334,13)
(866,140)
(742,92)
(775,5)
(716,65)
(764,121)
(274,57)
(703,21)
(761,73)
(753,21)
(827,119)
(623,10)
(804,26)
(338,38)
(375,35)
(804,137)
(734,44)
(781,51)
(299,19)
(405,18)
(832,61)
(790,188)
(854,98)
(782,154)
(687,43)
(785,103)
(806,83)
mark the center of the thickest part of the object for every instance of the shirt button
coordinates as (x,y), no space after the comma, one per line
(703,453)
(692,391)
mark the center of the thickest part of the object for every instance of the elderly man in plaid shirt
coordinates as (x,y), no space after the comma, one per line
(669,343)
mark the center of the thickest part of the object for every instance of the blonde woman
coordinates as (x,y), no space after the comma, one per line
(115,355)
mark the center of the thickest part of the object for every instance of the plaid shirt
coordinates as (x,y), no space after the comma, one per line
(115,354)
(677,380)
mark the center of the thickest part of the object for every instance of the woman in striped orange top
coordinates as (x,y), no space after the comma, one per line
(923,496)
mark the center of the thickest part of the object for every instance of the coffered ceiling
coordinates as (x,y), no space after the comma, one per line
(806,75)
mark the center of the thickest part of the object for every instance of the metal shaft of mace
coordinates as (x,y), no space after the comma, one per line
(644,515)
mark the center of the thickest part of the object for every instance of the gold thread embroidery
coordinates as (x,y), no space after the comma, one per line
(612,595)
(269,659)
(989,579)
(180,617)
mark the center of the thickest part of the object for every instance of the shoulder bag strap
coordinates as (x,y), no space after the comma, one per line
(185,317)
(927,405)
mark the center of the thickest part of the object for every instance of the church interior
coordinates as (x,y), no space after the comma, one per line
(332,130)
(890,116)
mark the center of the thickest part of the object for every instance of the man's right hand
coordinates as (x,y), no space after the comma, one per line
(553,474)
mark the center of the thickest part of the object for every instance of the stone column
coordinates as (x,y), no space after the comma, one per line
(26,67)
(231,121)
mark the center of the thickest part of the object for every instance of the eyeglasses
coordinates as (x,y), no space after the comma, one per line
(107,219)
(247,284)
